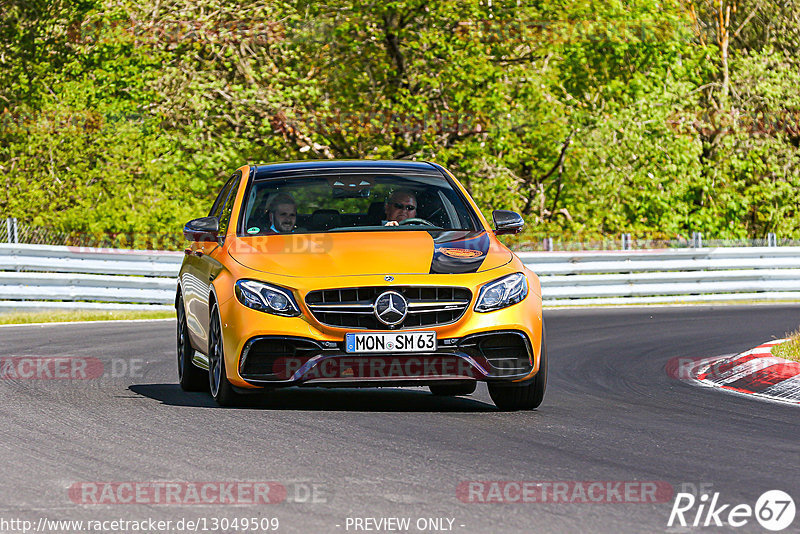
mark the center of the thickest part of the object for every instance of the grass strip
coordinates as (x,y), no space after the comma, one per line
(790,350)
(69,316)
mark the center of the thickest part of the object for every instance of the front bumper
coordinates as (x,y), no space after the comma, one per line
(473,348)
(288,361)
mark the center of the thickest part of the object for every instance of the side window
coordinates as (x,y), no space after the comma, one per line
(216,209)
(225,215)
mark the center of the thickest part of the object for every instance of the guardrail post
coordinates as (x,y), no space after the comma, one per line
(8,230)
(772,240)
(16,230)
(547,244)
(697,240)
(626,241)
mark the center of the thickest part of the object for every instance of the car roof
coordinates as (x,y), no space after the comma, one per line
(323,167)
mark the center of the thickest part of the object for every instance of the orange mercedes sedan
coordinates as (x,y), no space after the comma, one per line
(356,274)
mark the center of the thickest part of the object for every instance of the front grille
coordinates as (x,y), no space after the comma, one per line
(353,307)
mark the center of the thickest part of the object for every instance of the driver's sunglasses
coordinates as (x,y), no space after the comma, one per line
(409,207)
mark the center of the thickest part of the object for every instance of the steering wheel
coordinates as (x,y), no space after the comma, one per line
(417,220)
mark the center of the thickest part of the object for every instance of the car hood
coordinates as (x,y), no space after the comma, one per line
(366,253)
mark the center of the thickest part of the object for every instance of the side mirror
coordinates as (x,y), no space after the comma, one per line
(204,229)
(507,222)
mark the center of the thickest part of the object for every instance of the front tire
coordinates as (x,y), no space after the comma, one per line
(221,389)
(526,397)
(190,377)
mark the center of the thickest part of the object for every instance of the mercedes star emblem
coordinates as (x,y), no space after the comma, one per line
(391,308)
(388,278)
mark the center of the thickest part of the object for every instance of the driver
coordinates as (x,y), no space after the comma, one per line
(282,213)
(401,205)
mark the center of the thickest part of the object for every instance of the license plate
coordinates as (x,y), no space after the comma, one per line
(391,342)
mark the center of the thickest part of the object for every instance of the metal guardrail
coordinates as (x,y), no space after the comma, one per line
(40,276)
(61,259)
(48,277)
(668,275)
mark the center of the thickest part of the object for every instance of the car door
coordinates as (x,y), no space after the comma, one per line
(202,266)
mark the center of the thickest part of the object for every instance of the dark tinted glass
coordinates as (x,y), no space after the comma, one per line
(359,202)
(225,213)
(216,208)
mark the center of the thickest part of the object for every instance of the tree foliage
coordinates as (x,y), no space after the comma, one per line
(656,117)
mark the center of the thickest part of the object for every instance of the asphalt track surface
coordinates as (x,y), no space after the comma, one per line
(611,413)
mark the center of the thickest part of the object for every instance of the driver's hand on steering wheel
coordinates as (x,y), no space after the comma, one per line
(392,223)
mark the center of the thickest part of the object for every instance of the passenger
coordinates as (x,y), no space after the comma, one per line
(401,205)
(282,213)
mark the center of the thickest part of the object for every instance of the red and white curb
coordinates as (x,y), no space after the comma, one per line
(755,372)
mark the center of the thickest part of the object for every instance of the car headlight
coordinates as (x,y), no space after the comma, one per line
(502,293)
(266,298)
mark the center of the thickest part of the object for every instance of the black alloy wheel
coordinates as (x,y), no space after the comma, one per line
(221,390)
(190,377)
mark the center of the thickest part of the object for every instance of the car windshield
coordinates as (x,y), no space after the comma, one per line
(348,202)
